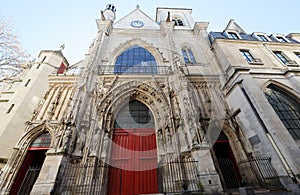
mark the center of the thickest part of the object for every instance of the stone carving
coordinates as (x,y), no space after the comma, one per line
(80,142)
(182,136)
(159,139)
(169,140)
(102,88)
(105,143)
(66,138)
(95,142)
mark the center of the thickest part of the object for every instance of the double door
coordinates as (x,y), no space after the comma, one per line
(133,162)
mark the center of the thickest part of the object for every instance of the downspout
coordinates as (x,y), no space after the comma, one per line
(269,136)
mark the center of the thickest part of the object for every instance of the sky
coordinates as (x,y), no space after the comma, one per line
(46,25)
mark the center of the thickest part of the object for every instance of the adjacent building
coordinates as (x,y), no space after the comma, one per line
(157,106)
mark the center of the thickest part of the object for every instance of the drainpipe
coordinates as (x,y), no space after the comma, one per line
(269,136)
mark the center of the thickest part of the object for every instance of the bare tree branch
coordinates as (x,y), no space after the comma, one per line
(12,57)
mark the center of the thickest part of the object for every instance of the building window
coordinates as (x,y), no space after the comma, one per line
(281,39)
(178,22)
(41,62)
(297,54)
(281,57)
(43,141)
(135,60)
(28,81)
(262,37)
(61,69)
(188,56)
(247,55)
(232,35)
(134,115)
(10,108)
(287,107)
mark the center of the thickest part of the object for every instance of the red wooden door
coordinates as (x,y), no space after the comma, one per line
(133,162)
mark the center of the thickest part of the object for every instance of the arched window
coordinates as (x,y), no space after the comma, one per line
(41,142)
(188,56)
(134,115)
(287,108)
(135,60)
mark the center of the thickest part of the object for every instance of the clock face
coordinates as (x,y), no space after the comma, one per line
(137,24)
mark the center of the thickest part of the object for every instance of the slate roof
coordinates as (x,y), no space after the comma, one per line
(247,37)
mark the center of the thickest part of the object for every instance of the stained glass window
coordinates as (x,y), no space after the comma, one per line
(134,115)
(42,141)
(287,108)
(135,60)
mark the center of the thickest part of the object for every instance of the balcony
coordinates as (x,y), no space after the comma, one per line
(126,70)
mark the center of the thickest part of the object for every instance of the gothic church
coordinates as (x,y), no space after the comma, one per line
(158,106)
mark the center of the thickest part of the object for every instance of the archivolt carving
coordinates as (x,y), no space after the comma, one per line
(30,135)
(19,152)
(143,92)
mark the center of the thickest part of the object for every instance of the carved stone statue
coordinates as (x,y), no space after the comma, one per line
(169,139)
(182,136)
(102,88)
(80,141)
(66,138)
(105,144)
(95,142)
(193,132)
(159,139)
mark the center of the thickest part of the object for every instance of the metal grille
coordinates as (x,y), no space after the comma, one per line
(111,69)
(172,176)
(29,179)
(261,169)
(82,179)
(229,173)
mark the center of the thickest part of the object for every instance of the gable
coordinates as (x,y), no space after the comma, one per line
(232,25)
(133,19)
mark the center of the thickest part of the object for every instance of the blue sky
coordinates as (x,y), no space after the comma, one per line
(43,25)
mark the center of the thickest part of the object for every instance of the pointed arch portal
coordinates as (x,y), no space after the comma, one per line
(226,163)
(133,154)
(31,166)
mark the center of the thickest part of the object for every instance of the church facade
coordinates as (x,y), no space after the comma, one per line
(160,106)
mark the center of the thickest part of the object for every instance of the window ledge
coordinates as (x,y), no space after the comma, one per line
(256,61)
(292,63)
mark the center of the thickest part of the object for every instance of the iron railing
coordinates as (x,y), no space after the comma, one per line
(259,171)
(147,70)
(173,177)
(82,179)
(176,176)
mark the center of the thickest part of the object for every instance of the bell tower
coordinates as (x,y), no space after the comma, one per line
(109,14)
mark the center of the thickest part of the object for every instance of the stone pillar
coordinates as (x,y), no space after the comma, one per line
(47,177)
(209,177)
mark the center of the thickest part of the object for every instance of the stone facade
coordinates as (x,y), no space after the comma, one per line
(212,120)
